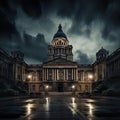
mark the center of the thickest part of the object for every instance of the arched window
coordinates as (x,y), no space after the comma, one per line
(40,87)
(60,42)
(86,88)
(33,87)
(80,87)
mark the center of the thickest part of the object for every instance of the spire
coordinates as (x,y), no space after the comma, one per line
(60,27)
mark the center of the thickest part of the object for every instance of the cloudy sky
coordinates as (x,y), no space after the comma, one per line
(29,26)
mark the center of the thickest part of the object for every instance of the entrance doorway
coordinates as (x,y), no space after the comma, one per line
(60,87)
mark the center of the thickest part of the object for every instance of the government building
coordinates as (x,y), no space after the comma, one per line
(59,73)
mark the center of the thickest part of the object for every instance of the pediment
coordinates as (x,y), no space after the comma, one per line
(60,61)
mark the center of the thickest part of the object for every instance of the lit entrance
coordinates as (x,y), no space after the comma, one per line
(60,87)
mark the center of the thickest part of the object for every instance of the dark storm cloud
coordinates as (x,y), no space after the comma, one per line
(83,58)
(10,38)
(7,16)
(81,13)
(31,7)
(106,11)
(35,47)
(85,12)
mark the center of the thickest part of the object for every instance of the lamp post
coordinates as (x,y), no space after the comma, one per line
(73,89)
(46,89)
(28,83)
(29,77)
(90,77)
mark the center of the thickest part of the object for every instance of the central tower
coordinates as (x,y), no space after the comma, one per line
(60,47)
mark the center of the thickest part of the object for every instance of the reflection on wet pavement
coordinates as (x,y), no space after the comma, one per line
(60,108)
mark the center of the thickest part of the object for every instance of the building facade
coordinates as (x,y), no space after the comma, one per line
(113,65)
(100,65)
(60,73)
(6,67)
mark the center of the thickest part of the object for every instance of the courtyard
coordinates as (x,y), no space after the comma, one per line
(60,107)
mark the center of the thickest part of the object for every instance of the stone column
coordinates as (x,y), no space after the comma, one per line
(58,51)
(43,74)
(83,76)
(76,74)
(57,74)
(67,73)
(47,74)
(72,74)
(64,74)
(53,75)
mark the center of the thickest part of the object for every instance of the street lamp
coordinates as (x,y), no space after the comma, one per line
(29,78)
(73,86)
(46,89)
(47,86)
(90,76)
(73,89)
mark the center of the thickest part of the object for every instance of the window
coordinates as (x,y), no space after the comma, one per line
(69,74)
(33,87)
(80,87)
(61,74)
(18,77)
(86,88)
(40,87)
(79,75)
(34,76)
(49,74)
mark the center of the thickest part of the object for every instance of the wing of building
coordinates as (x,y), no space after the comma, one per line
(60,73)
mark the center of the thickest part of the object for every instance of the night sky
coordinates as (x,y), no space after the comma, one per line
(29,26)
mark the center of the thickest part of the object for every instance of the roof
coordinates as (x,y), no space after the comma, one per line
(115,53)
(60,33)
(102,51)
(60,62)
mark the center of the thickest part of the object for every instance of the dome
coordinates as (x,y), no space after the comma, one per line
(60,33)
(102,51)
(101,54)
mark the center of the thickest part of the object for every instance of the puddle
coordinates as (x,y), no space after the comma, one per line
(10,115)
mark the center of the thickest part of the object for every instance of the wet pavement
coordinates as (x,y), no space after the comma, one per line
(60,108)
